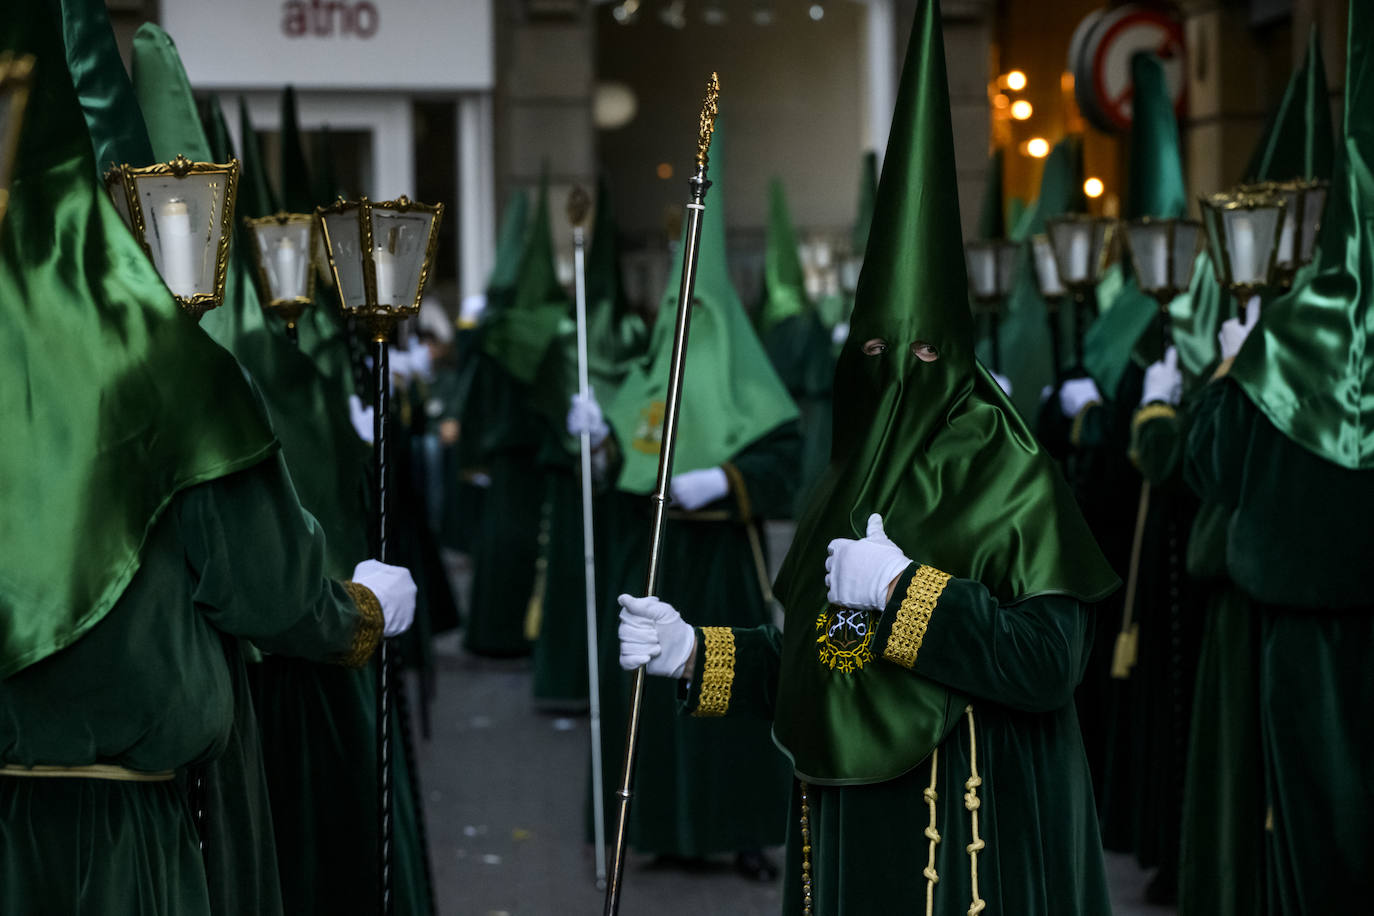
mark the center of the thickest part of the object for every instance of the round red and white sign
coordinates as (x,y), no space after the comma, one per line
(1100,59)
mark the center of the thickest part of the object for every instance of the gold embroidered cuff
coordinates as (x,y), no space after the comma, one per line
(1152,412)
(740,491)
(909,627)
(369,631)
(717,671)
(1076,434)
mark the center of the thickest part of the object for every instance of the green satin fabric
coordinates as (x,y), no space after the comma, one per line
(1025,329)
(615,335)
(519,337)
(510,243)
(731,395)
(868,195)
(937,448)
(297,195)
(1308,365)
(306,408)
(1300,139)
(102,84)
(256,198)
(1156,189)
(113,400)
(784,284)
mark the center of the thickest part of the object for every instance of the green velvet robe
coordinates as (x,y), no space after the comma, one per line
(1015,763)
(156,686)
(701,788)
(1298,546)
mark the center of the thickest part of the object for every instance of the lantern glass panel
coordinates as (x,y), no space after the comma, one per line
(1046,269)
(1250,236)
(1288,230)
(1006,266)
(284,253)
(1186,234)
(400,241)
(1073,249)
(183,222)
(982,269)
(1313,206)
(346,255)
(1149,246)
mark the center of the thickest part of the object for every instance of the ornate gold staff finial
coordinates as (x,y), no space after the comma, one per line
(579,205)
(709,110)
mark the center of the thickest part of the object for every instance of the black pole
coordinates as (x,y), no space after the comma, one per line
(381,405)
(996,341)
(292,334)
(1080,324)
(1055,354)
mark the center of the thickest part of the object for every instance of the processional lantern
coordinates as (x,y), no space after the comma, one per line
(15,77)
(1242,230)
(991,265)
(182,214)
(1052,288)
(380,256)
(1163,252)
(1081,245)
(283,245)
(1304,204)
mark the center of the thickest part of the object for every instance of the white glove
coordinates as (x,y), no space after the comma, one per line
(361,416)
(857,573)
(695,489)
(584,416)
(1235,330)
(655,637)
(1045,393)
(1002,382)
(1163,381)
(1077,393)
(399,361)
(395,591)
(421,360)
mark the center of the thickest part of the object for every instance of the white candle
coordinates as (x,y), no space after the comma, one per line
(289,264)
(1047,269)
(984,275)
(178,248)
(1243,266)
(386,273)
(1287,236)
(1078,258)
(1159,255)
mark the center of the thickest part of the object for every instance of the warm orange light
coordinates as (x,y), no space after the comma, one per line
(1000,101)
(1094,187)
(1022,110)
(1037,147)
(664,170)
(1016,80)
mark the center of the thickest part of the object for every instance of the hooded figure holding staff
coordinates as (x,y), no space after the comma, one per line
(937,599)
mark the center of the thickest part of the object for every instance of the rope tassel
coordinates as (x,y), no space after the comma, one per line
(972,803)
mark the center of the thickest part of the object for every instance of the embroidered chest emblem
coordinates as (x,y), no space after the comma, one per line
(648,436)
(844,639)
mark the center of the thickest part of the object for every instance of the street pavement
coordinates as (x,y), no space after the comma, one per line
(505,791)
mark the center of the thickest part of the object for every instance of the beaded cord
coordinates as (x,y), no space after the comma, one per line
(806,849)
(972,803)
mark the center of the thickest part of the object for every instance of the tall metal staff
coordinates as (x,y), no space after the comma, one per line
(696,207)
(578,204)
(381,254)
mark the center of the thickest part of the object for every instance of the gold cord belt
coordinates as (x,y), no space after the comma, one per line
(92,771)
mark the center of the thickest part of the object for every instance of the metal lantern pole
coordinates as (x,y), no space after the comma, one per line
(578,204)
(691,240)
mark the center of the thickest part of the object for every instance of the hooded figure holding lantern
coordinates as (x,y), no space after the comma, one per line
(937,599)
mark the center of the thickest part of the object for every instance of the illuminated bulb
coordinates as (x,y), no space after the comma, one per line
(1016,81)
(664,170)
(1021,110)
(1093,187)
(817,12)
(1000,101)
(1037,147)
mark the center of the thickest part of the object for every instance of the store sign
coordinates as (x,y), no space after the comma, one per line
(383,45)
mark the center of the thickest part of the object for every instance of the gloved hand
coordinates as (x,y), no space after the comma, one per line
(654,636)
(1163,381)
(1002,382)
(584,416)
(421,360)
(857,573)
(395,591)
(695,489)
(1235,330)
(1077,393)
(361,416)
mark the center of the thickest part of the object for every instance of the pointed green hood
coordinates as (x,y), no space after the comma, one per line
(102,85)
(731,397)
(91,456)
(519,336)
(615,336)
(510,245)
(784,282)
(297,192)
(935,447)
(1155,189)
(1308,366)
(256,197)
(992,219)
(868,193)
(1027,357)
(1300,140)
(307,409)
